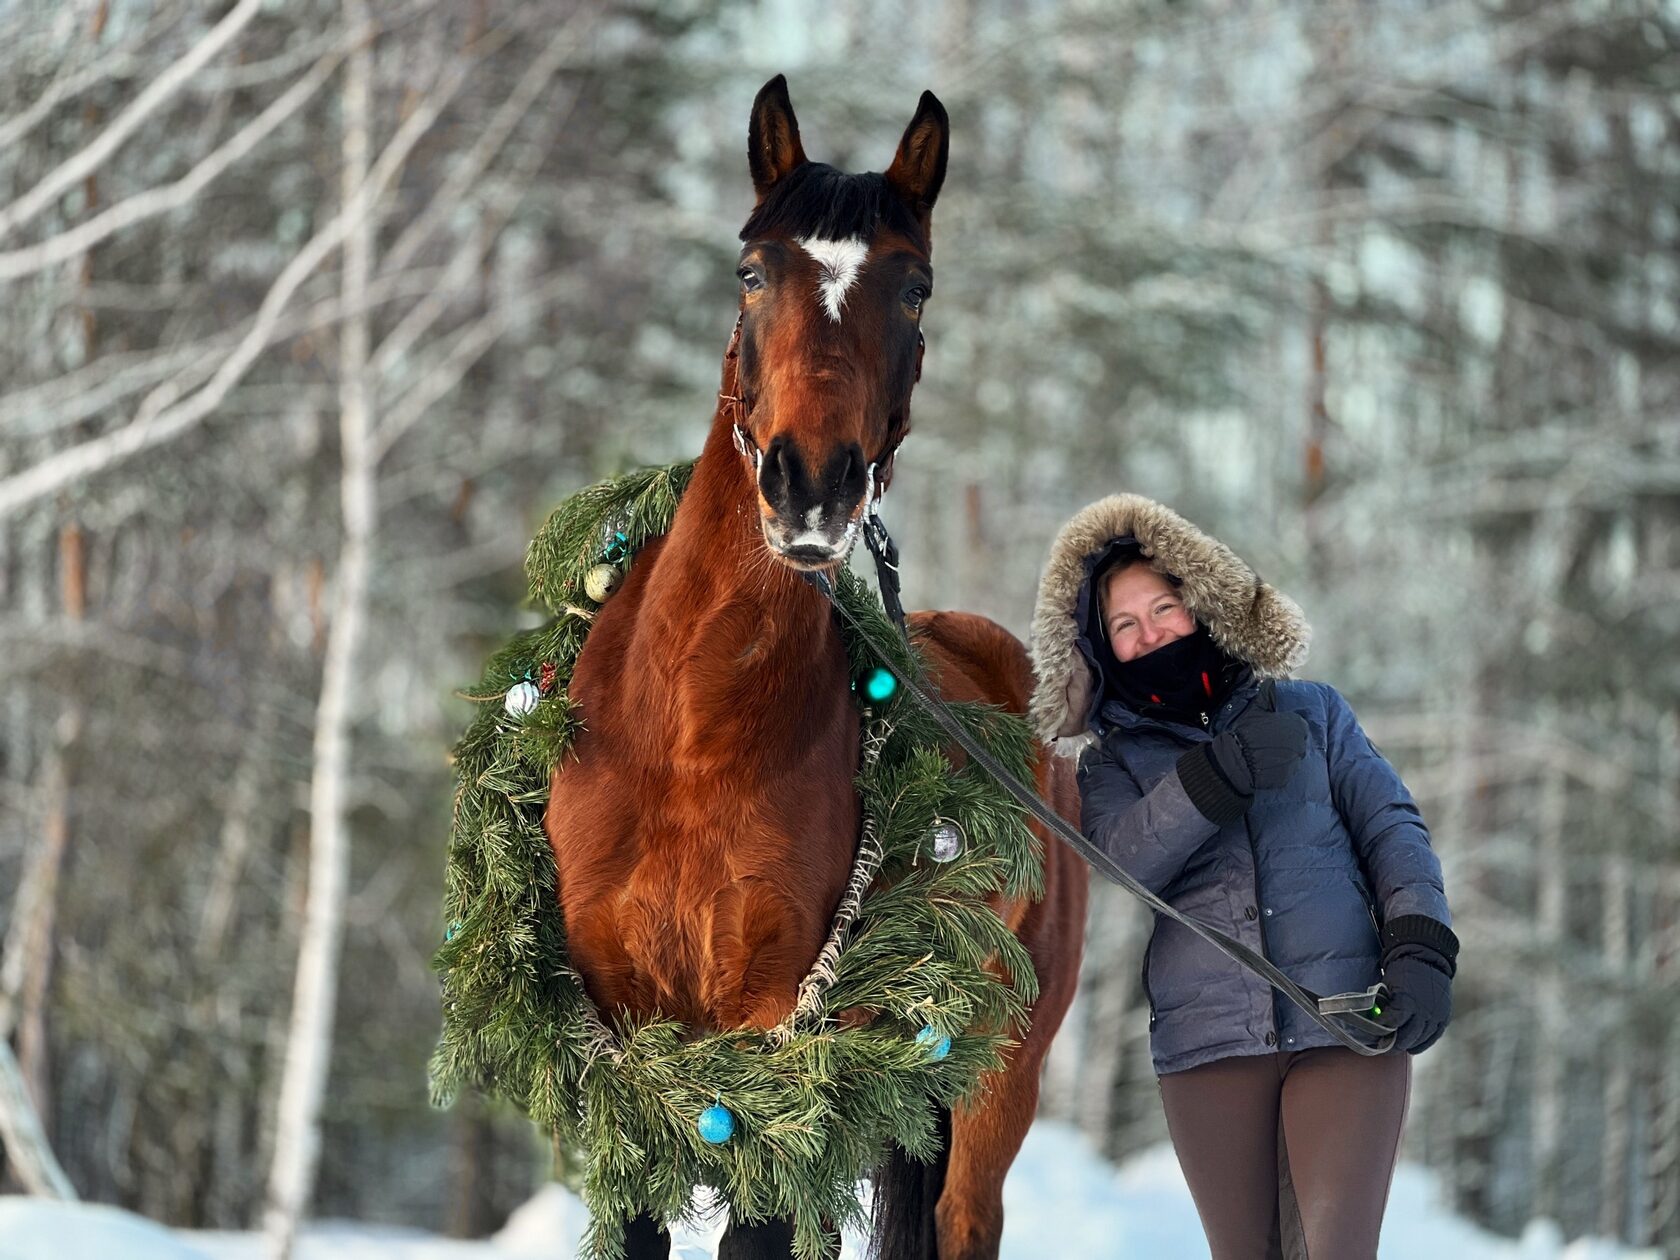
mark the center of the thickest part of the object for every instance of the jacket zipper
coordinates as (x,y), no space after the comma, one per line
(1260,923)
(1147,995)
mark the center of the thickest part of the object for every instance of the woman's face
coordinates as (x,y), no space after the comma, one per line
(1142,611)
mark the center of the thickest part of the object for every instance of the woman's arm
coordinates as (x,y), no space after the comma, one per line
(1382,818)
(1150,834)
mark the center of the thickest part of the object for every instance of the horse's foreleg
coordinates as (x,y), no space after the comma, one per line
(768,1240)
(646,1239)
(986,1138)
(984,1142)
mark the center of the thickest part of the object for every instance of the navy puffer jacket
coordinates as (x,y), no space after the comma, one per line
(1313,869)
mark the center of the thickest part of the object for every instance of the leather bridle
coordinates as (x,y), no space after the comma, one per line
(879,470)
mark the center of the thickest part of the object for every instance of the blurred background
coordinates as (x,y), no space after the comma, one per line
(313,309)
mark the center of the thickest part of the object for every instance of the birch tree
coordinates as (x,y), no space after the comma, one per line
(309,1043)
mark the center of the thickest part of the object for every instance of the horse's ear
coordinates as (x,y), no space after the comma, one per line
(919,167)
(773,147)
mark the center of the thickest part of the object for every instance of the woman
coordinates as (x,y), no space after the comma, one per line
(1266,813)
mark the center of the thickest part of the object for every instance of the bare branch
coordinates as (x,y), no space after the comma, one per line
(155,201)
(108,141)
(485,148)
(118,65)
(470,345)
(414,324)
(40,409)
(161,417)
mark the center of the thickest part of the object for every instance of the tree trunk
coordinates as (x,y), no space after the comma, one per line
(26,1145)
(309,1043)
(23,986)
(1112,973)
(1618,1085)
(1553,1012)
(26,981)
(1660,1225)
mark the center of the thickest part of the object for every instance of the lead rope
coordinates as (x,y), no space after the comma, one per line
(1325,1011)
(1341,1006)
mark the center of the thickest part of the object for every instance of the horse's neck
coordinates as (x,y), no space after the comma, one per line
(713,552)
(735,634)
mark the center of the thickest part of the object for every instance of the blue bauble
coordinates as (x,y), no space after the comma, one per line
(880,684)
(938,1043)
(717,1124)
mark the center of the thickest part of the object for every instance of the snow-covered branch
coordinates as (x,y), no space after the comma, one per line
(88,160)
(164,415)
(155,201)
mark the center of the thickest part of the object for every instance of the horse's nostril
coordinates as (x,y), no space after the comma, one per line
(772,472)
(851,475)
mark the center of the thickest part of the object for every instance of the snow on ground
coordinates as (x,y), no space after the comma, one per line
(40,1229)
(1060,1200)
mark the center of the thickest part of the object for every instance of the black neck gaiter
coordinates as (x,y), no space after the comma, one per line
(1186,678)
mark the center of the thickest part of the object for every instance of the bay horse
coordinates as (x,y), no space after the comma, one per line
(710,818)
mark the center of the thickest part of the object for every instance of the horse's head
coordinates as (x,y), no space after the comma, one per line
(834,273)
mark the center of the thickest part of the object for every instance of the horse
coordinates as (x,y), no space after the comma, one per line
(710,814)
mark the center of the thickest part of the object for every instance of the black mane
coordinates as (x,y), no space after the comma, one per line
(817,200)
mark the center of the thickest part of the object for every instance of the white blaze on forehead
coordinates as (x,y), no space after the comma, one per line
(839,261)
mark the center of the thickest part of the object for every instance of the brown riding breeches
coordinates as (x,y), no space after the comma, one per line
(1291,1154)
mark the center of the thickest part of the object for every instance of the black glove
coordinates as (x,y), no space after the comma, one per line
(1420,957)
(1259,750)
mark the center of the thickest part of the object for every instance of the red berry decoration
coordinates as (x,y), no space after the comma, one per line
(545,677)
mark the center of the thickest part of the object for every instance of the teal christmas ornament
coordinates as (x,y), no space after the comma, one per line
(717,1124)
(449,932)
(938,1044)
(616,547)
(880,684)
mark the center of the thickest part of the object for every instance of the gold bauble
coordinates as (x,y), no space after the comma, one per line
(602,581)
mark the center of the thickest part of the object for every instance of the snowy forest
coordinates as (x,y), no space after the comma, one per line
(314,308)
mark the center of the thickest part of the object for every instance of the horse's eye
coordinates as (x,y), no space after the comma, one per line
(751,281)
(915,296)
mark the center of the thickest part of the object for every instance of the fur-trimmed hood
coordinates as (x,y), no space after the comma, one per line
(1247,618)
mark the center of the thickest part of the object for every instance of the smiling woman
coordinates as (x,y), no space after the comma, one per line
(1141,610)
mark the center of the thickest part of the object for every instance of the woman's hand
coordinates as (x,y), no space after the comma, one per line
(1419,999)
(1260,750)
(1419,961)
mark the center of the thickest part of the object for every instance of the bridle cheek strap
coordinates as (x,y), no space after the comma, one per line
(730,395)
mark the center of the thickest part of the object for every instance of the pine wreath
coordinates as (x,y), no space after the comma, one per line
(814,1104)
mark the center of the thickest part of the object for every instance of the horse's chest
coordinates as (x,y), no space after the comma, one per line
(696,898)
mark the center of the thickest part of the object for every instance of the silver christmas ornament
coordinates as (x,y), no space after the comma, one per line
(947,840)
(521,698)
(602,581)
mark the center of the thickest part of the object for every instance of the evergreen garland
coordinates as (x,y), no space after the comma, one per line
(814,1112)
